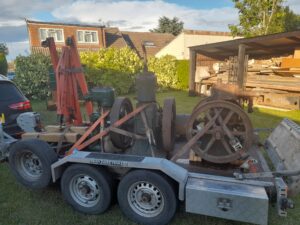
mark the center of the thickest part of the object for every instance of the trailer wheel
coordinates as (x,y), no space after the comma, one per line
(30,161)
(146,197)
(87,189)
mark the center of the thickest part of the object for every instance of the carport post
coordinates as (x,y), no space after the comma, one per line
(193,57)
(241,66)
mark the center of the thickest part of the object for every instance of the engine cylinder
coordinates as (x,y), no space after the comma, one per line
(146,87)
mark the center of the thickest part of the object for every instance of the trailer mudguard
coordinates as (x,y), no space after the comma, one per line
(175,172)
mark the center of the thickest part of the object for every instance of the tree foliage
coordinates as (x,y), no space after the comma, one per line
(291,20)
(3,61)
(261,17)
(166,25)
(3,64)
(3,49)
(32,75)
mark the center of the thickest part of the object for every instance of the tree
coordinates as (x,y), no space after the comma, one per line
(3,61)
(291,20)
(167,25)
(260,17)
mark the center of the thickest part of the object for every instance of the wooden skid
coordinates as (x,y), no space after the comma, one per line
(53,136)
(76,129)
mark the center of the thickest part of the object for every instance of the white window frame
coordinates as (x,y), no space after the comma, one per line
(84,33)
(55,38)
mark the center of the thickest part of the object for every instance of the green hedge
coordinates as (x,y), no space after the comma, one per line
(182,69)
(32,75)
(171,73)
(165,70)
(108,67)
(112,67)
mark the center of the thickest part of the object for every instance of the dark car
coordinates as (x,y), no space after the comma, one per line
(12,104)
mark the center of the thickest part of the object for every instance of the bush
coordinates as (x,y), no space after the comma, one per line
(3,64)
(165,70)
(32,75)
(182,69)
(112,67)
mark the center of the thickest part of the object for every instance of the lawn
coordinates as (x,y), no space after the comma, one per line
(20,206)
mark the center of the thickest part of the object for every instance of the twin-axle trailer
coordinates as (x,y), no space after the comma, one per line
(149,189)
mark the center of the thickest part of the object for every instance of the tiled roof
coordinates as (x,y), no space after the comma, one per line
(206,32)
(114,38)
(155,41)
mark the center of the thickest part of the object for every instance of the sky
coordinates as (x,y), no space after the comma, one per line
(129,15)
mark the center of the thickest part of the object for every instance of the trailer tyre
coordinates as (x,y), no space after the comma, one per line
(87,189)
(147,197)
(30,161)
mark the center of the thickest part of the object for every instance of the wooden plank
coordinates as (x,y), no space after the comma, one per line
(192,73)
(56,137)
(79,130)
(76,129)
(53,128)
(30,135)
(241,66)
(297,53)
(290,62)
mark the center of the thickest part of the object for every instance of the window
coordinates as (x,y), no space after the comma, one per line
(149,44)
(9,92)
(57,34)
(87,36)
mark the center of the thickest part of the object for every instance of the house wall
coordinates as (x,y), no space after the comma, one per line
(174,48)
(179,47)
(192,40)
(35,40)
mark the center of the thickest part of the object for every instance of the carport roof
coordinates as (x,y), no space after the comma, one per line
(256,47)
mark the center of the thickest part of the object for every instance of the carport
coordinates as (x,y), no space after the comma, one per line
(256,48)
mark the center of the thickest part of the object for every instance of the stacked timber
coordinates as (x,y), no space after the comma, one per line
(277,80)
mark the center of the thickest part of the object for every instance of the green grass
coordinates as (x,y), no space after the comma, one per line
(20,206)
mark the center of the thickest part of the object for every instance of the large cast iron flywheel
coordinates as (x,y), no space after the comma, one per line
(224,131)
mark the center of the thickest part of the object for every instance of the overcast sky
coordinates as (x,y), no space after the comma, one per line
(130,15)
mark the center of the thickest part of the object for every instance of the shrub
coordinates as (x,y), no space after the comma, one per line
(3,64)
(165,70)
(182,68)
(32,75)
(112,67)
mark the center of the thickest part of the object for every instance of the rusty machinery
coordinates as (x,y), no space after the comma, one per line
(218,130)
(114,120)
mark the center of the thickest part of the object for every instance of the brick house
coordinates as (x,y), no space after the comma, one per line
(88,37)
(93,38)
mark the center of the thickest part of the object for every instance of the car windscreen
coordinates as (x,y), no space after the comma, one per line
(9,92)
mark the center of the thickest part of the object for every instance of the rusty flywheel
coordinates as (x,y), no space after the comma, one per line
(224,131)
(168,124)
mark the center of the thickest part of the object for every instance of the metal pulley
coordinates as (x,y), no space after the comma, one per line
(224,131)
(121,107)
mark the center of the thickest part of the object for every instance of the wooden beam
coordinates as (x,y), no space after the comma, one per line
(241,66)
(259,46)
(296,39)
(224,49)
(193,58)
